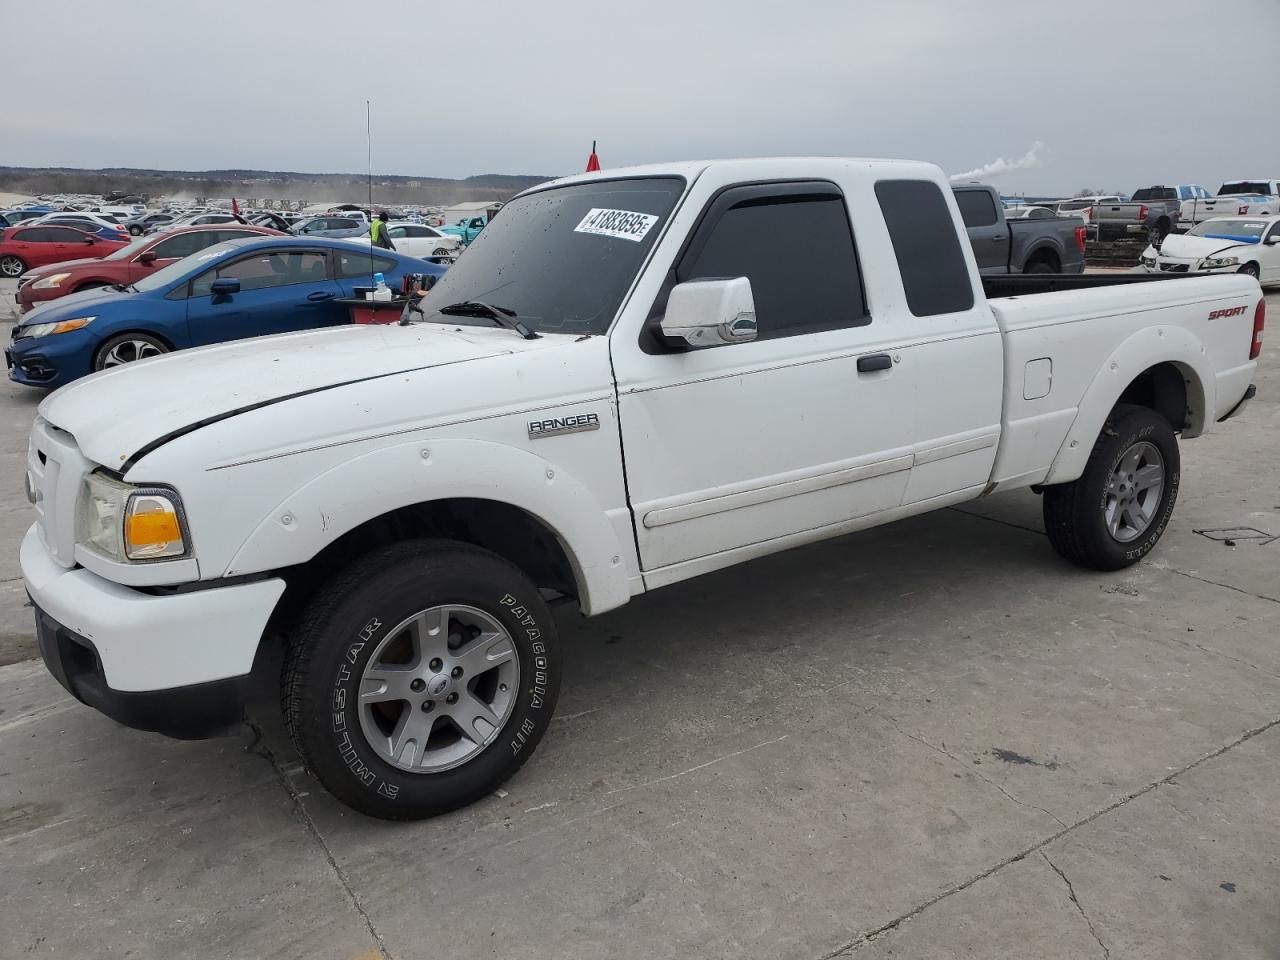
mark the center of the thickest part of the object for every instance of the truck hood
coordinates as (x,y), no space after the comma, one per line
(1182,246)
(117,413)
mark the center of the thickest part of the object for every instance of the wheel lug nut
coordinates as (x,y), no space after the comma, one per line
(435,664)
(417,685)
(502,687)
(428,706)
(456,672)
(451,698)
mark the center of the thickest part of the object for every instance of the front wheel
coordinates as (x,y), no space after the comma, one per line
(11,266)
(440,252)
(1250,269)
(1156,235)
(135,231)
(126,348)
(1115,513)
(421,678)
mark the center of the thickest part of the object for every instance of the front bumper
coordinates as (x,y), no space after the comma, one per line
(171,662)
(50,361)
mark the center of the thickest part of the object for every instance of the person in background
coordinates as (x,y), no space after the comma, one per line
(378,232)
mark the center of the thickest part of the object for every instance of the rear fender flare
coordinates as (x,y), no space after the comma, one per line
(1145,349)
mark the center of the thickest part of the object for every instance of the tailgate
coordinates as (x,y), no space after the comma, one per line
(1116,212)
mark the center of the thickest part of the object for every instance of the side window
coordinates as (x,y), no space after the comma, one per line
(260,271)
(1274,232)
(795,245)
(359,264)
(397,233)
(977,209)
(33,235)
(927,246)
(183,245)
(63,235)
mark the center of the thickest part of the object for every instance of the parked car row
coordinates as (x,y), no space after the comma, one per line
(250,286)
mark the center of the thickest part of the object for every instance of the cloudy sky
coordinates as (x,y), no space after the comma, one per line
(1113,89)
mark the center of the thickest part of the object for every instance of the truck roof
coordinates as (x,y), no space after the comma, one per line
(804,168)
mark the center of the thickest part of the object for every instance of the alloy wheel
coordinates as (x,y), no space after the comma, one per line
(438,688)
(127,351)
(1134,491)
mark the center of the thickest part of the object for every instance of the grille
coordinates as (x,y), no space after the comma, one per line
(57,469)
(1175,267)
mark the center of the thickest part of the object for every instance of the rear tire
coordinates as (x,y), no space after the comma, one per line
(1039,266)
(11,266)
(1115,513)
(398,656)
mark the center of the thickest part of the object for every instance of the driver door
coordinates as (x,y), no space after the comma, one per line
(1269,255)
(280,291)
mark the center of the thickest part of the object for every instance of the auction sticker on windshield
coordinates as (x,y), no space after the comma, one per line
(621,224)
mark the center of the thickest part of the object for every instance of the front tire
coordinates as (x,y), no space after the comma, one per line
(128,348)
(421,678)
(1250,269)
(1115,513)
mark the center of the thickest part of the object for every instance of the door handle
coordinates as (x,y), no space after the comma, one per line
(873,362)
(999,238)
(318,296)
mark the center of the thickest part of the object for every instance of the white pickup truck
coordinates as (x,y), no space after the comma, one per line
(625,382)
(1235,198)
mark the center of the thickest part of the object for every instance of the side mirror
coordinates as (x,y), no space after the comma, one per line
(224,287)
(147,256)
(90,239)
(1273,240)
(711,313)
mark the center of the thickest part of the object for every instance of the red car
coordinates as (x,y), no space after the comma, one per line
(127,264)
(22,248)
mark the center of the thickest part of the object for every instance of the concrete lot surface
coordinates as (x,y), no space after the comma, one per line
(930,740)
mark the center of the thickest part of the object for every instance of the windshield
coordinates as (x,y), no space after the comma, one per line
(177,270)
(564,258)
(1229,229)
(1237,187)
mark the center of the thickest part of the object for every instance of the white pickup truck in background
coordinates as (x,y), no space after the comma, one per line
(1235,198)
(626,382)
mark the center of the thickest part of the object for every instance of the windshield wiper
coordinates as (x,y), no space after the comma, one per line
(502,316)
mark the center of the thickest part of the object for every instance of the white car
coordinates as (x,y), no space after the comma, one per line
(95,218)
(418,240)
(1028,213)
(196,220)
(1248,245)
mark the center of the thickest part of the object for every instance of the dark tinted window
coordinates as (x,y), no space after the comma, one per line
(977,208)
(1245,186)
(185,244)
(261,270)
(360,264)
(927,245)
(64,235)
(797,251)
(1147,194)
(32,235)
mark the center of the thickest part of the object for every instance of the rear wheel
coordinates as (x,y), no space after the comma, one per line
(11,266)
(135,231)
(421,678)
(126,348)
(1113,515)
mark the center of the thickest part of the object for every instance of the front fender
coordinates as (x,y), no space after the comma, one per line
(1145,349)
(383,480)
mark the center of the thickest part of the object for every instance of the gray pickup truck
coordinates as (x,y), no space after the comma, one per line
(1152,212)
(1053,245)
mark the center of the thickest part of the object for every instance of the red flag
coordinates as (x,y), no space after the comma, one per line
(593,162)
(235,207)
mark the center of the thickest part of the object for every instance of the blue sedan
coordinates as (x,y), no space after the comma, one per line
(241,288)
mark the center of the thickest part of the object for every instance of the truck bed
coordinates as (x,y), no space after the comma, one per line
(1030,284)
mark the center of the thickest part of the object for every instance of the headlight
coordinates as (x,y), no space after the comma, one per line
(61,326)
(48,283)
(125,522)
(1210,263)
(1148,261)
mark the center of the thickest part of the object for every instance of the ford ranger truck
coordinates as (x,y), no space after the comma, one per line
(600,399)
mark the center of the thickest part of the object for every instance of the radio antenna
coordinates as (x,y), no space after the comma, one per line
(368,140)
